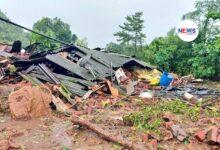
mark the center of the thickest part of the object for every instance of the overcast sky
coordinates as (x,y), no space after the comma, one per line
(97,20)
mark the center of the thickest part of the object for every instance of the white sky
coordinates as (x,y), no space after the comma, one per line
(98,20)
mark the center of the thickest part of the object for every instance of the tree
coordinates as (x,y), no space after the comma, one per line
(74,38)
(206,52)
(55,28)
(205,15)
(132,31)
(82,42)
(170,53)
(10,33)
(200,57)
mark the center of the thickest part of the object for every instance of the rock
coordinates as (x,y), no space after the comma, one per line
(4,145)
(29,102)
(212,135)
(144,137)
(179,133)
(167,135)
(146,94)
(153,143)
(201,135)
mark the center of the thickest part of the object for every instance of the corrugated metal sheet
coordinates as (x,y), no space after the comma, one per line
(103,63)
(70,66)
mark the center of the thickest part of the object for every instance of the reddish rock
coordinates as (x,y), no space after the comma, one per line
(30,101)
(212,135)
(153,143)
(201,135)
(144,137)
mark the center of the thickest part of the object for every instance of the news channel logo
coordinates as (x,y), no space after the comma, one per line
(187,30)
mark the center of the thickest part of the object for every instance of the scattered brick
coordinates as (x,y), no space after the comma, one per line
(153,143)
(201,135)
(212,135)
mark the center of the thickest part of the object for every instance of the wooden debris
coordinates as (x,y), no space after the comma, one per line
(60,106)
(105,134)
(113,90)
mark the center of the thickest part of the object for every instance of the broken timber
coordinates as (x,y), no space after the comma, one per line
(105,135)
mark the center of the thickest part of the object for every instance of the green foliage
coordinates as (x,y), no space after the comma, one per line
(200,57)
(214,15)
(82,42)
(121,48)
(150,117)
(132,31)
(203,16)
(55,28)
(212,112)
(205,62)
(10,33)
(170,53)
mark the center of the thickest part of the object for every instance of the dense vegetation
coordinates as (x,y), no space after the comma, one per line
(200,57)
(55,28)
(10,33)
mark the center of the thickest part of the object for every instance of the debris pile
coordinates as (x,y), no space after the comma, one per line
(210,135)
(76,80)
(75,72)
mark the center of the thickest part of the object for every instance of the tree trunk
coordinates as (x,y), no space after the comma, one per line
(105,135)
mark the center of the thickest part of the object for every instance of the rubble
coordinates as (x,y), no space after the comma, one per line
(77,80)
(212,135)
(201,135)
(179,133)
(76,71)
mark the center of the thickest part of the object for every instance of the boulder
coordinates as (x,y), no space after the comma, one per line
(30,101)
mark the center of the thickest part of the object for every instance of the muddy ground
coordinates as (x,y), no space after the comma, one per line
(56,131)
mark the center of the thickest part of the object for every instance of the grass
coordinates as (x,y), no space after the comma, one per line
(150,116)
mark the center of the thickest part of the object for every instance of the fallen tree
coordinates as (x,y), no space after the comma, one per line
(105,134)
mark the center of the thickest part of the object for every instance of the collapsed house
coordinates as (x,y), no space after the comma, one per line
(76,71)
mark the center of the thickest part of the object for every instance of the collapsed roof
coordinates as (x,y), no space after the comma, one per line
(76,68)
(102,63)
